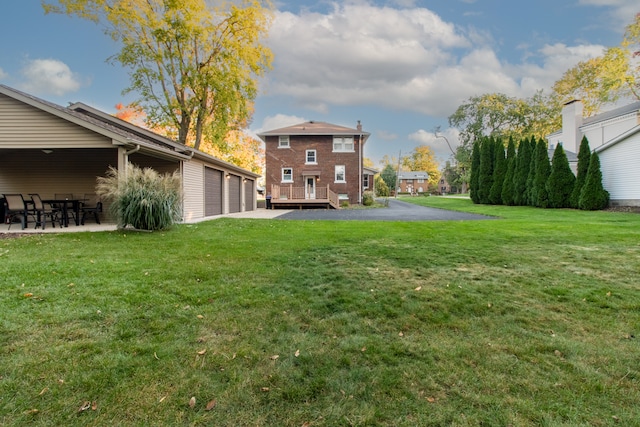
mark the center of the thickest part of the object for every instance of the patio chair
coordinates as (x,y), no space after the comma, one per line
(91,206)
(15,208)
(42,211)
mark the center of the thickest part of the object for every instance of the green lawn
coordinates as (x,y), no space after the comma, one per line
(529,320)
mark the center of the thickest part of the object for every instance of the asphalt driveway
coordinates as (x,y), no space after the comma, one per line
(397,211)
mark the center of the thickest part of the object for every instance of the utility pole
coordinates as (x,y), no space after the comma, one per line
(395,190)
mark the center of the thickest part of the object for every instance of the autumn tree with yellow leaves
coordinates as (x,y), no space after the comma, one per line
(193,66)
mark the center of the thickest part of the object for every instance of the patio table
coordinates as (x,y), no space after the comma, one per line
(65,204)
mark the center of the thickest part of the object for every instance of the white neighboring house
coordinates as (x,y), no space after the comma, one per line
(615,136)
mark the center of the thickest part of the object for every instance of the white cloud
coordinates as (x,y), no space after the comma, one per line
(400,59)
(3,75)
(49,77)
(621,11)
(278,121)
(443,144)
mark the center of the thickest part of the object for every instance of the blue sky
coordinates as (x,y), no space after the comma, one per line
(400,66)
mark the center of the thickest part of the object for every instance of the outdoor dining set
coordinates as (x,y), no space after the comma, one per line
(61,209)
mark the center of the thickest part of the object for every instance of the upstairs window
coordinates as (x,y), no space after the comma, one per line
(283,141)
(287,174)
(343,144)
(311,157)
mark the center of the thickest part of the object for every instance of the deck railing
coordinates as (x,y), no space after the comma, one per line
(292,194)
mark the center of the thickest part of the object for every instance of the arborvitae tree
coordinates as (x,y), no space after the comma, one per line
(499,172)
(593,195)
(539,194)
(485,178)
(474,180)
(522,173)
(584,157)
(561,180)
(507,185)
(530,200)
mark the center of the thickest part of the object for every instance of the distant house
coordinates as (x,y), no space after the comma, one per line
(615,136)
(413,182)
(315,164)
(46,149)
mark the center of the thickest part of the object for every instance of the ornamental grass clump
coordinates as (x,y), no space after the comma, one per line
(144,198)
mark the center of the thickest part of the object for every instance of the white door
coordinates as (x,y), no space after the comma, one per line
(311,188)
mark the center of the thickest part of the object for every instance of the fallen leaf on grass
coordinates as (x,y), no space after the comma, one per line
(44,390)
(265,389)
(418,288)
(94,405)
(31,412)
(156,356)
(297,353)
(275,357)
(86,405)
(28,295)
(200,316)
(192,402)
(210,405)
(401,334)
(201,352)
(363,349)
(431,399)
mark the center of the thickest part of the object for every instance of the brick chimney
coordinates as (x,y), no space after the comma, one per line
(571,122)
(359,127)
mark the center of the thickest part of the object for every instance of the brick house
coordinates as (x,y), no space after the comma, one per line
(314,164)
(413,182)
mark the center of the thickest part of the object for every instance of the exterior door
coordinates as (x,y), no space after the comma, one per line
(311,187)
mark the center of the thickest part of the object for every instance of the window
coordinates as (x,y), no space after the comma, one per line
(311,157)
(409,181)
(365,181)
(340,175)
(283,141)
(287,175)
(420,180)
(343,143)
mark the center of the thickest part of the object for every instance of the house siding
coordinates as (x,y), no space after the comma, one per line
(23,126)
(620,171)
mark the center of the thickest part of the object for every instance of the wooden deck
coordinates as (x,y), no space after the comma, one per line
(298,197)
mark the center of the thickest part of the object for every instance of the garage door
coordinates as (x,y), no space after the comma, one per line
(234,194)
(213,194)
(249,194)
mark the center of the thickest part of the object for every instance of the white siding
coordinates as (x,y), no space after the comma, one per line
(620,170)
(600,133)
(193,187)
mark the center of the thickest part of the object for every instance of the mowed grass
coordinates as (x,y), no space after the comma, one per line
(526,320)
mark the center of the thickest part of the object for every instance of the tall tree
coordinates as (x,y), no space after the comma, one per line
(508,183)
(539,193)
(607,78)
(593,196)
(389,176)
(423,159)
(522,173)
(499,172)
(584,157)
(485,177)
(474,183)
(530,198)
(561,180)
(501,116)
(193,67)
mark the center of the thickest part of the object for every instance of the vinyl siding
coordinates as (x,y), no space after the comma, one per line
(24,126)
(620,171)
